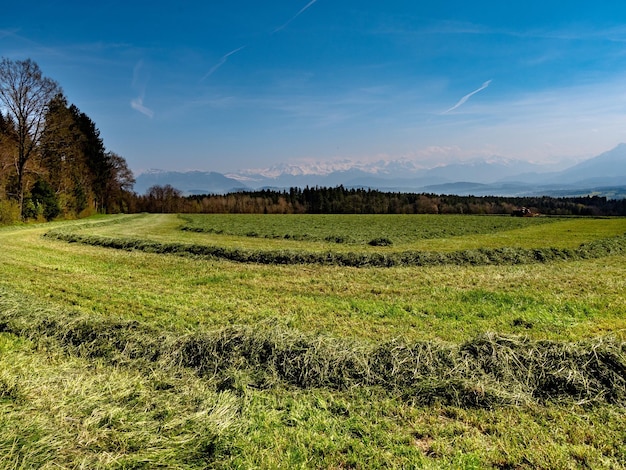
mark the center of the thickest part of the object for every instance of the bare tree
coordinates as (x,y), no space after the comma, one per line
(25,94)
(119,184)
(164,199)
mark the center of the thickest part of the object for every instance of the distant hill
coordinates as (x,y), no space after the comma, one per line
(190,182)
(603,175)
(608,168)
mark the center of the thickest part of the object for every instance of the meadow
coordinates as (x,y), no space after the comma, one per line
(236,341)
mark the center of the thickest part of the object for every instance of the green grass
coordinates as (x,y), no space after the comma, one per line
(128,359)
(67,412)
(354,229)
(564,240)
(63,411)
(419,232)
(406,232)
(562,300)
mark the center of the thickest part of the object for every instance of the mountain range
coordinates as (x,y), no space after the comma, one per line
(603,175)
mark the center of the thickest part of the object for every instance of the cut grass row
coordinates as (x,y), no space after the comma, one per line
(482,372)
(60,411)
(405,232)
(76,390)
(463,232)
(595,248)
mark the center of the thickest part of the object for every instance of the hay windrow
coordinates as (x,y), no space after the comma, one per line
(478,257)
(487,371)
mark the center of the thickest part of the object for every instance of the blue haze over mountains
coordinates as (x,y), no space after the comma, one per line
(603,175)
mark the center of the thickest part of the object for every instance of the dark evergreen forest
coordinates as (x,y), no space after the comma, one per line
(341,200)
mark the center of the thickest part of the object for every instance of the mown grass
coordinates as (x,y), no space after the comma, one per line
(127,359)
(60,411)
(67,412)
(416,232)
(406,233)
(484,371)
(566,300)
(77,390)
(353,229)
(578,240)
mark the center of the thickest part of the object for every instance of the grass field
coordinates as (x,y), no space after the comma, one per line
(160,354)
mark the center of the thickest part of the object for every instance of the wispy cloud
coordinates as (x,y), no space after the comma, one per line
(221,62)
(463,100)
(137,104)
(305,8)
(8,32)
(139,83)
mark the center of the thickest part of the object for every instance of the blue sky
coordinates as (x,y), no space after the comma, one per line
(223,86)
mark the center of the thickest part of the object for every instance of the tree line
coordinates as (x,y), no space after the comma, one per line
(53,161)
(341,200)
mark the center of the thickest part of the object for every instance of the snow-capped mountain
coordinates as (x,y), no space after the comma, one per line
(388,174)
(494,176)
(381,167)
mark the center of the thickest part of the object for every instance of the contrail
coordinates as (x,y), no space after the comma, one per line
(307,6)
(221,62)
(225,57)
(467,97)
(137,104)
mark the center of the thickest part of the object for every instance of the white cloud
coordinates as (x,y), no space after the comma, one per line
(462,101)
